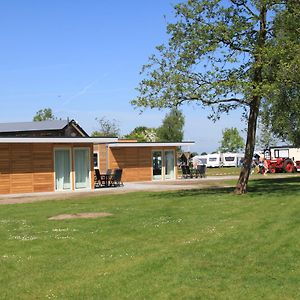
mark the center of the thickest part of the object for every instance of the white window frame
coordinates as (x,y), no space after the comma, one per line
(71,168)
(163,169)
(90,169)
(98,160)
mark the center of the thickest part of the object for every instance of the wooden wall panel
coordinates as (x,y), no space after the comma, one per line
(21,183)
(4,183)
(4,159)
(43,168)
(135,162)
(101,149)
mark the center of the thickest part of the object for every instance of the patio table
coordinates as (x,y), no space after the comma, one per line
(106,179)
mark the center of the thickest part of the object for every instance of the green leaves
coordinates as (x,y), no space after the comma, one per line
(43,115)
(231,141)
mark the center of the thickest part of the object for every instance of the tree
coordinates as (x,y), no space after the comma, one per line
(43,115)
(107,128)
(143,134)
(218,56)
(280,114)
(231,141)
(171,129)
(266,137)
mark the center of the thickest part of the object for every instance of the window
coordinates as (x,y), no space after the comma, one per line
(284,153)
(229,158)
(212,159)
(96,161)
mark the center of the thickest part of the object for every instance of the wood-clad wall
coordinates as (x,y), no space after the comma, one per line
(136,162)
(101,149)
(29,168)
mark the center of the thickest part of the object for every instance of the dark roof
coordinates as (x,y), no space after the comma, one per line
(33,126)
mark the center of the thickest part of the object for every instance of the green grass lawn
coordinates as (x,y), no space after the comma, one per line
(223,171)
(196,244)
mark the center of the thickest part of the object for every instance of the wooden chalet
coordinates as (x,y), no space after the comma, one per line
(139,161)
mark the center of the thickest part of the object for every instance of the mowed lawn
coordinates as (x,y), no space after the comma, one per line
(197,244)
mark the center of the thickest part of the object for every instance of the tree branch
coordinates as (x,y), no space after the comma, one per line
(243,4)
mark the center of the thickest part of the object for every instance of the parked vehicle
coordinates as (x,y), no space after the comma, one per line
(214,160)
(217,160)
(199,160)
(278,160)
(232,159)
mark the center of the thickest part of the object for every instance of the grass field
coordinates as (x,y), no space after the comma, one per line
(223,171)
(196,244)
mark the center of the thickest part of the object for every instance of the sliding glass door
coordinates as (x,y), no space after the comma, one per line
(163,164)
(62,168)
(157,165)
(169,164)
(82,168)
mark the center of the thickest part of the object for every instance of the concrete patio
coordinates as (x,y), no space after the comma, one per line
(155,186)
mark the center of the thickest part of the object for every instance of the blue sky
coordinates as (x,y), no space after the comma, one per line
(82,59)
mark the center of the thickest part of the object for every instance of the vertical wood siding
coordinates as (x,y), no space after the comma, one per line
(101,149)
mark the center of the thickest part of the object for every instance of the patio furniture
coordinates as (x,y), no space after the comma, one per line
(103,180)
(116,178)
(186,172)
(97,178)
(201,171)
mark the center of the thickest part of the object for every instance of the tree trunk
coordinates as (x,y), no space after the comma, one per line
(241,187)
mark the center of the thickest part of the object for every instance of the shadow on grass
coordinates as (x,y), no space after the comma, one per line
(195,192)
(288,185)
(263,186)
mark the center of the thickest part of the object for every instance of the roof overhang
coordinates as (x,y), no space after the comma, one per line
(58,140)
(133,145)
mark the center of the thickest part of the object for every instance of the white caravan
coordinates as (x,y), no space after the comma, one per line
(214,160)
(232,159)
(199,160)
(217,160)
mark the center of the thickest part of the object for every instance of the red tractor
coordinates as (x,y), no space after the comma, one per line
(280,164)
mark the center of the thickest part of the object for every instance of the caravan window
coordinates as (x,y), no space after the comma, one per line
(229,158)
(281,153)
(212,159)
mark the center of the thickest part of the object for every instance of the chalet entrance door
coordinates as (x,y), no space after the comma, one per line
(157,165)
(82,168)
(62,169)
(169,164)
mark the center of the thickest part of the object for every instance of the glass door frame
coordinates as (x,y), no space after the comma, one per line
(174,164)
(162,161)
(163,169)
(71,168)
(89,163)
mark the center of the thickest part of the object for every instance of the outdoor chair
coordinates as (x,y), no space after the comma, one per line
(201,171)
(186,172)
(97,178)
(116,178)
